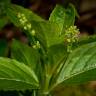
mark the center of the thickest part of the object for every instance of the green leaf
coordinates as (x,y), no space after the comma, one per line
(58,16)
(5,1)
(63,17)
(13,10)
(50,29)
(84,40)
(3,18)
(56,56)
(70,16)
(3,22)
(51,33)
(16,76)
(36,25)
(32,18)
(27,12)
(3,4)
(48,33)
(60,19)
(80,66)
(56,61)
(25,54)
(3,47)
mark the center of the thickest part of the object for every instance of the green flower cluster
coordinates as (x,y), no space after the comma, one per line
(71,35)
(37,45)
(24,22)
(28,27)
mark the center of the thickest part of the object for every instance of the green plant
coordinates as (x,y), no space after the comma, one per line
(55,54)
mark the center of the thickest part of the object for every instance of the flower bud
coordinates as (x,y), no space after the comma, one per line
(29,26)
(34,46)
(38,44)
(33,32)
(19,15)
(25,27)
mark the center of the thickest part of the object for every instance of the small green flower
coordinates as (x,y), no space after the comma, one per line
(22,15)
(69,48)
(33,32)
(38,44)
(25,28)
(68,40)
(29,26)
(22,18)
(71,36)
(19,15)
(26,25)
(22,21)
(34,46)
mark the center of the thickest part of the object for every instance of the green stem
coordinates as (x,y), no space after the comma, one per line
(34,93)
(40,93)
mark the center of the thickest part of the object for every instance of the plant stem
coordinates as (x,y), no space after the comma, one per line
(40,93)
(34,93)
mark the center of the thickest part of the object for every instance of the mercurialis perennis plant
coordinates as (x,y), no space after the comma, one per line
(55,54)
